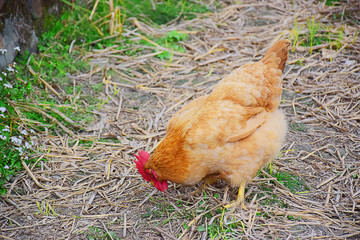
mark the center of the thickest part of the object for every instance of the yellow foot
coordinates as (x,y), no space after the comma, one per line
(240,198)
(235,204)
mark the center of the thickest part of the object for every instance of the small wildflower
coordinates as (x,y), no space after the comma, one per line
(3,51)
(32,131)
(27,145)
(2,137)
(6,167)
(2,115)
(10,69)
(6,129)
(1,79)
(8,85)
(24,132)
(16,141)
(17,49)
(26,157)
(5,74)
(20,150)
(2,109)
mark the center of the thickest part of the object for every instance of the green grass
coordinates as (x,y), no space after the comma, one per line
(295,32)
(170,41)
(95,233)
(298,127)
(313,29)
(331,2)
(315,34)
(162,12)
(219,229)
(15,142)
(292,182)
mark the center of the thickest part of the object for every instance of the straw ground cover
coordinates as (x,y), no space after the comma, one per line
(89,188)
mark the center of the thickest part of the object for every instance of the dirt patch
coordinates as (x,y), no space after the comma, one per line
(91,185)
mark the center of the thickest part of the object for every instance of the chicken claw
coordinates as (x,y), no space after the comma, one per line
(240,198)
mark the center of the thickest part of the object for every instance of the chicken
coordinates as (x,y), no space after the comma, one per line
(229,134)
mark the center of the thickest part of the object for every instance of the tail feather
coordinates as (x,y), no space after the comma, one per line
(277,55)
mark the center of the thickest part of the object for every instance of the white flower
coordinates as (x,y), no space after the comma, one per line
(20,150)
(24,132)
(2,115)
(1,79)
(27,145)
(5,74)
(32,131)
(26,157)
(2,137)
(10,69)
(8,85)
(17,49)
(2,109)
(6,129)
(2,51)
(6,167)
(16,140)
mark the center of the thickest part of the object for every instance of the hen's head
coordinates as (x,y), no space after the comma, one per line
(148,174)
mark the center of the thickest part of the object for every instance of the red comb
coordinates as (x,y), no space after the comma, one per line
(142,158)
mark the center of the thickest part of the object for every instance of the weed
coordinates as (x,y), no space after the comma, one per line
(45,208)
(162,12)
(100,234)
(298,127)
(271,198)
(331,2)
(15,138)
(219,229)
(296,31)
(313,29)
(316,35)
(292,217)
(339,39)
(292,182)
(170,41)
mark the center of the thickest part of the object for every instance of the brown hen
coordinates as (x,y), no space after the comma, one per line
(229,134)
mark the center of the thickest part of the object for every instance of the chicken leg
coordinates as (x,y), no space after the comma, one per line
(240,198)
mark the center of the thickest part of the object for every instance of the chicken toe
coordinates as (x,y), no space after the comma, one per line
(240,200)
